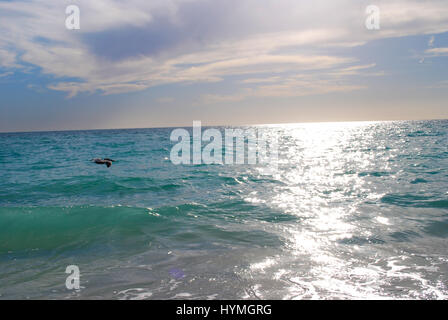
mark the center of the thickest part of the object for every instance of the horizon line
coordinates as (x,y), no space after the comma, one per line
(221,125)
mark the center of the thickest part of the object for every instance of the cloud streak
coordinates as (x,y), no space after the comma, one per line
(437,52)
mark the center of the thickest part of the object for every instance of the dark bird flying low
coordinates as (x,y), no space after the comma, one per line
(106,161)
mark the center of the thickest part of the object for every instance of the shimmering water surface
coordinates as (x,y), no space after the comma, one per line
(354,210)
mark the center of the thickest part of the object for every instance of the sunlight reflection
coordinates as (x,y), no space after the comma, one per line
(320,173)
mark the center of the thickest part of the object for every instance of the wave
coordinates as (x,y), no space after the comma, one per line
(123,227)
(44,228)
(416,201)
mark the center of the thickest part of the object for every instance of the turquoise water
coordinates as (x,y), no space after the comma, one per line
(354,210)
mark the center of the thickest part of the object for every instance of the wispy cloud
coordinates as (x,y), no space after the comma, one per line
(294,86)
(439,85)
(5,74)
(437,51)
(358,70)
(7,59)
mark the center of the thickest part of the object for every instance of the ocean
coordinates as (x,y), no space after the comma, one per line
(355,210)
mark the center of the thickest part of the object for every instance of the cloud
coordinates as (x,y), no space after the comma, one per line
(358,70)
(292,86)
(439,85)
(287,89)
(127,47)
(7,59)
(5,74)
(435,52)
(36,88)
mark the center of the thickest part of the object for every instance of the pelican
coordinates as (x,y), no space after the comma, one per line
(106,161)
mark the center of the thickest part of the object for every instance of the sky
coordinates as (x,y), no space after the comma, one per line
(157,63)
